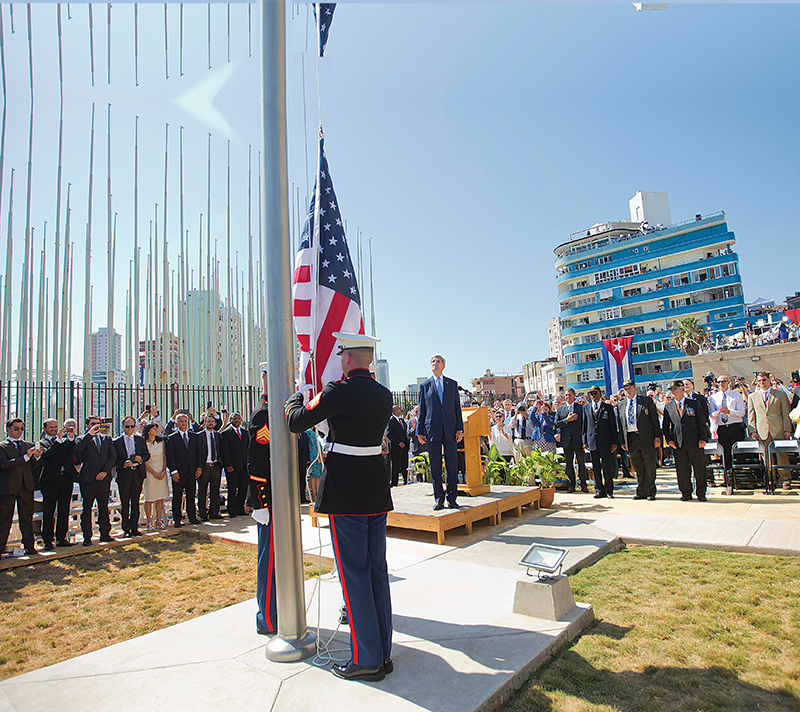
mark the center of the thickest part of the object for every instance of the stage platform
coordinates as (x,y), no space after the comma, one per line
(413,508)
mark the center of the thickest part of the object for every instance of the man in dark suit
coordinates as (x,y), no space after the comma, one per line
(56,478)
(234,446)
(686,432)
(98,457)
(641,437)
(208,470)
(398,446)
(600,439)
(441,428)
(131,452)
(569,422)
(19,463)
(180,448)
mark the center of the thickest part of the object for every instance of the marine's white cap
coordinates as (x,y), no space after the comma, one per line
(263,367)
(345,340)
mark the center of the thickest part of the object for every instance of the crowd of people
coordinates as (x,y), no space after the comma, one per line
(181,461)
(636,432)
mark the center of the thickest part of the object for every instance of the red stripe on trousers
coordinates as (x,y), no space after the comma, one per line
(344,589)
(270,566)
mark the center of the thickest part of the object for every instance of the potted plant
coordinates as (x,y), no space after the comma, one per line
(548,467)
(495,470)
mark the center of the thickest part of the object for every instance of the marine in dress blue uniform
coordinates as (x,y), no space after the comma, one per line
(260,498)
(354,493)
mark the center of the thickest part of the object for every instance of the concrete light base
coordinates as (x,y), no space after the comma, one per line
(551,599)
(290,650)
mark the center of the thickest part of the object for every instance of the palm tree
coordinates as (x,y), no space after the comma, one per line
(688,335)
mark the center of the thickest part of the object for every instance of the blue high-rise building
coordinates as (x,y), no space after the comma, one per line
(636,278)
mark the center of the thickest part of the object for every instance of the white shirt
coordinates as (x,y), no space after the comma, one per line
(208,446)
(735,403)
(501,438)
(631,427)
(130,446)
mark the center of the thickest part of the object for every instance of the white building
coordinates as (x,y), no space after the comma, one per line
(554,338)
(382,372)
(98,360)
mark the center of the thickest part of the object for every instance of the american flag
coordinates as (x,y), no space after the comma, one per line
(324,17)
(325,296)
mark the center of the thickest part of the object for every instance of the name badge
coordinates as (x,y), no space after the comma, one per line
(604,416)
(689,411)
(646,411)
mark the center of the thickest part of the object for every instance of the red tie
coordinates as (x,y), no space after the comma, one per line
(680,410)
(239,433)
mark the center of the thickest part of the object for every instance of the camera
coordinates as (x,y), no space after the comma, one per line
(709,378)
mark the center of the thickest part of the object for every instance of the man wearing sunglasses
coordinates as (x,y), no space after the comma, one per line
(768,417)
(19,463)
(131,452)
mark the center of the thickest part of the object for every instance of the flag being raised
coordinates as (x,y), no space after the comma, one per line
(325,294)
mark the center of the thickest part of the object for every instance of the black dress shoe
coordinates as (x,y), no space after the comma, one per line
(610,495)
(453,505)
(570,490)
(136,532)
(49,546)
(232,516)
(177,525)
(584,489)
(203,519)
(438,506)
(194,521)
(215,516)
(701,498)
(107,538)
(64,543)
(31,552)
(87,542)
(651,498)
(639,496)
(351,671)
(686,497)
(388,666)
(600,495)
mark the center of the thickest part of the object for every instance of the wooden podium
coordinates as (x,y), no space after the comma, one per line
(476,423)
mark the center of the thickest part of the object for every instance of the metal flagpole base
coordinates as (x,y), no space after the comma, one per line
(290,650)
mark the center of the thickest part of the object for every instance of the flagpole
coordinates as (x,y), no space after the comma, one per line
(293,641)
(87,312)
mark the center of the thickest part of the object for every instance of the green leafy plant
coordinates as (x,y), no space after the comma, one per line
(688,335)
(422,465)
(495,468)
(547,466)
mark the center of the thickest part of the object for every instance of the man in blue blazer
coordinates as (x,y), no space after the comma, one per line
(440,427)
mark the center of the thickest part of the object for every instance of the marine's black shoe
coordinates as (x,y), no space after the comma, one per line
(351,671)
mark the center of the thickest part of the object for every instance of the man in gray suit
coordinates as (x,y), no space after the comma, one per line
(640,436)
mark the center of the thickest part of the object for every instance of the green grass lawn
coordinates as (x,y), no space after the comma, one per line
(56,610)
(678,630)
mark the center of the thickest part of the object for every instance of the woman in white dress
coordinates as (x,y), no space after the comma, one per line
(156,485)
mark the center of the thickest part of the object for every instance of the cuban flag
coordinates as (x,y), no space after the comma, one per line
(617,363)
(325,295)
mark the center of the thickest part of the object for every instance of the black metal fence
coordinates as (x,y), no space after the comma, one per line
(35,402)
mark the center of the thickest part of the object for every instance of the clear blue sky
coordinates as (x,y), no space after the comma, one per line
(467,140)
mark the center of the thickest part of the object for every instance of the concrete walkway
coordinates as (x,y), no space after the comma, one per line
(457,644)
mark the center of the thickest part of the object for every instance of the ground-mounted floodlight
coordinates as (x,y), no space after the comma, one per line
(544,560)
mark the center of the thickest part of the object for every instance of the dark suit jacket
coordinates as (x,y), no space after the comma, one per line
(396,432)
(233,451)
(439,421)
(95,461)
(139,448)
(570,432)
(179,458)
(15,472)
(201,447)
(599,433)
(686,431)
(57,463)
(702,402)
(646,420)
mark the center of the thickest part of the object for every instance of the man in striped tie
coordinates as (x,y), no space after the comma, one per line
(686,432)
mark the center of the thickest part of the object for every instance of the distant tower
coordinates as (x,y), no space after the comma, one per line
(382,372)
